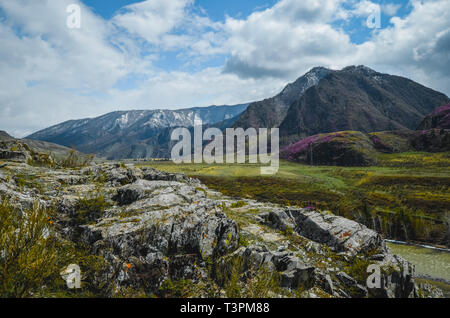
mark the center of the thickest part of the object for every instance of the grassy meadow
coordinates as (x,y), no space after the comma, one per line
(405,196)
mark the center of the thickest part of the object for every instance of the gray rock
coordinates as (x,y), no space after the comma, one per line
(166,226)
(336,232)
(13,155)
(397,280)
(325,282)
(174,239)
(356,290)
(162,193)
(294,272)
(151,174)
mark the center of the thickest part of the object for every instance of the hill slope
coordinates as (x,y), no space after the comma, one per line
(439,118)
(354,148)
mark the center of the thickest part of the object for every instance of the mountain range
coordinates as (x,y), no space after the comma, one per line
(135,133)
(355,98)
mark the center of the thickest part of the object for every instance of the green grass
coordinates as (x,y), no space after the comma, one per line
(406,196)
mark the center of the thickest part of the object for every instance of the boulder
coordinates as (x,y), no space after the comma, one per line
(151,174)
(13,155)
(397,279)
(338,233)
(356,290)
(162,193)
(293,271)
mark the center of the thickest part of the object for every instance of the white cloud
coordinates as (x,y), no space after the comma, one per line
(390,9)
(152,19)
(364,8)
(286,40)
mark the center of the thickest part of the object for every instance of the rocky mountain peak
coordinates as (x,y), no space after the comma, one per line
(296,89)
(362,69)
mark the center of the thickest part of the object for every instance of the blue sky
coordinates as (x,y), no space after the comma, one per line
(216,9)
(187,53)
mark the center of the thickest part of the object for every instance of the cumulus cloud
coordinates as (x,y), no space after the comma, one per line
(390,9)
(415,46)
(50,73)
(152,19)
(286,40)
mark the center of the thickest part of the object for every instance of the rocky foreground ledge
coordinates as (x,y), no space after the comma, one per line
(157,229)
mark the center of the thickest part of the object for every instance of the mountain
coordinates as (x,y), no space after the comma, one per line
(271,112)
(4,136)
(133,134)
(439,118)
(360,99)
(355,98)
(24,149)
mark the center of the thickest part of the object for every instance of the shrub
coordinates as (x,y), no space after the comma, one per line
(175,289)
(263,283)
(28,255)
(90,209)
(238,204)
(288,231)
(32,257)
(75,160)
(357,268)
(238,281)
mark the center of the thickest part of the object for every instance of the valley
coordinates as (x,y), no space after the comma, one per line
(404,197)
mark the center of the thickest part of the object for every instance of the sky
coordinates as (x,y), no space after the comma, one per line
(170,54)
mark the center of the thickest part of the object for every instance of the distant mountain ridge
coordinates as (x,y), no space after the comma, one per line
(133,134)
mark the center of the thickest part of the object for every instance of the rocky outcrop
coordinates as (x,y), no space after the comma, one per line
(152,227)
(353,240)
(13,155)
(162,244)
(4,136)
(340,234)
